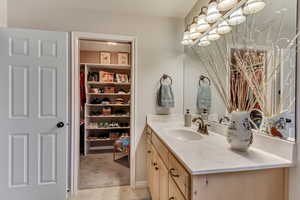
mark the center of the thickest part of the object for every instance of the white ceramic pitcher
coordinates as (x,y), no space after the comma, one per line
(239,132)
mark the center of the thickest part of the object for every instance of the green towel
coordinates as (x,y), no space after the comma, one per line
(204,98)
(165,96)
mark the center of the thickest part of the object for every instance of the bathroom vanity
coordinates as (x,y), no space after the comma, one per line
(184,165)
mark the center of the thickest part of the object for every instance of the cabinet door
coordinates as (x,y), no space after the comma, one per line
(163,180)
(154,172)
(174,192)
(149,165)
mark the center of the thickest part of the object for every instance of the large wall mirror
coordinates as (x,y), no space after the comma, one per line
(265,54)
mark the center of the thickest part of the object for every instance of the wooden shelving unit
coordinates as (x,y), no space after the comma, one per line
(97,136)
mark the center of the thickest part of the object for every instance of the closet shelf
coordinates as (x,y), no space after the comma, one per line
(107,66)
(108,94)
(108,128)
(100,140)
(105,105)
(100,148)
(101,83)
(109,116)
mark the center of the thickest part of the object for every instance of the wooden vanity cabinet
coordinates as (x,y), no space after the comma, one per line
(158,176)
(169,180)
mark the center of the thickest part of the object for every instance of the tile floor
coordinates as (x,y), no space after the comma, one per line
(112,193)
(100,170)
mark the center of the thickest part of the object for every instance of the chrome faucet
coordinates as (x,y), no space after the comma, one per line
(202,127)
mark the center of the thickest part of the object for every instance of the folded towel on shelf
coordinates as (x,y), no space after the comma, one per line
(204,98)
(165,96)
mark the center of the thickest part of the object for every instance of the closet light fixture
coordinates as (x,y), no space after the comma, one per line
(225,5)
(213,35)
(204,42)
(253,6)
(213,13)
(194,34)
(237,17)
(223,27)
(202,24)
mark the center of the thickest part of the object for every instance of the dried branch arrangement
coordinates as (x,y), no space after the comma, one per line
(245,65)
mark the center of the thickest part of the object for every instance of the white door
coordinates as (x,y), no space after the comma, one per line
(33,100)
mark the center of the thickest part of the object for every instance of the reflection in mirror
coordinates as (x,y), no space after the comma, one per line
(252,68)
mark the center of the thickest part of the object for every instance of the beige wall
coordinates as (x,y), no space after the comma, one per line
(3,13)
(159,48)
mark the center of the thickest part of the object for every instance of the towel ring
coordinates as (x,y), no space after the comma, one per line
(164,77)
(202,78)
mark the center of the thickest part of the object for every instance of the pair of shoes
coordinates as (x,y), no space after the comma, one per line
(95,101)
(95,113)
(124,124)
(103,124)
(114,124)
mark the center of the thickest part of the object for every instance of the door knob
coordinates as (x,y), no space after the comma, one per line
(60,125)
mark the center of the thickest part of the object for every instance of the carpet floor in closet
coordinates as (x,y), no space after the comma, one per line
(100,170)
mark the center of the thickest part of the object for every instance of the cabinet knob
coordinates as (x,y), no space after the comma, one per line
(154,164)
(171,198)
(149,151)
(173,174)
(156,168)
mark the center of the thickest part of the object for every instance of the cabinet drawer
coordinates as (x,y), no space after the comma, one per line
(174,193)
(161,148)
(179,175)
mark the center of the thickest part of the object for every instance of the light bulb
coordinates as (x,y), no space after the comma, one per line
(213,13)
(195,35)
(213,35)
(225,5)
(186,35)
(204,42)
(202,23)
(237,17)
(254,6)
(186,42)
(223,27)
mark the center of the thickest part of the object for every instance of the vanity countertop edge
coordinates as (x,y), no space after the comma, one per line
(196,156)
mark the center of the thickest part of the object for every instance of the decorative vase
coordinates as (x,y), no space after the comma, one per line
(277,125)
(239,133)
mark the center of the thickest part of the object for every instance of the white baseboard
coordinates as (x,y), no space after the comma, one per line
(141,184)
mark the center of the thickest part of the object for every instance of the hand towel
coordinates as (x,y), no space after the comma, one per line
(165,96)
(204,98)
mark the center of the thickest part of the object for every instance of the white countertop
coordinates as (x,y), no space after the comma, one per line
(211,154)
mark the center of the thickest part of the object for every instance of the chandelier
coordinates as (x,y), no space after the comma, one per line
(217,19)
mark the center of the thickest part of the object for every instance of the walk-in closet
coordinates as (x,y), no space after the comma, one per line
(105,112)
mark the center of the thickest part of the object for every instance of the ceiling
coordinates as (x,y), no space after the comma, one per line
(161,8)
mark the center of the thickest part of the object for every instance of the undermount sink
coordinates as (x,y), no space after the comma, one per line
(184,134)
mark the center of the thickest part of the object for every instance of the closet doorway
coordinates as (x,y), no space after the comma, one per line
(103,95)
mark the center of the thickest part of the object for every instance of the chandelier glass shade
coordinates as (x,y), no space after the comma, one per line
(202,24)
(225,5)
(204,42)
(237,17)
(213,13)
(223,28)
(254,6)
(213,35)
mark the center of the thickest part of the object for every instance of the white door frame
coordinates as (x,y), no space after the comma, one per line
(75,106)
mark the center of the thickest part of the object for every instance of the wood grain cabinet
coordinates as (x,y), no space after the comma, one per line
(168,179)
